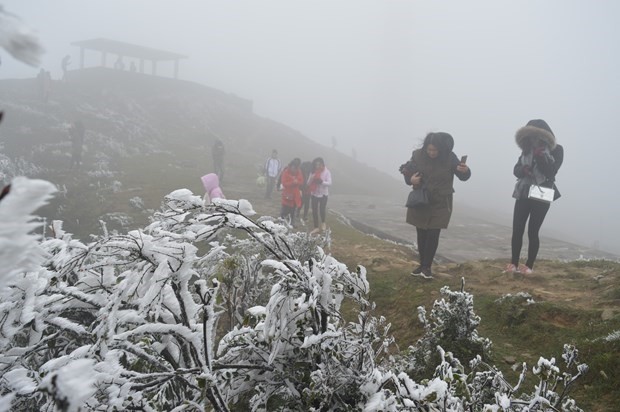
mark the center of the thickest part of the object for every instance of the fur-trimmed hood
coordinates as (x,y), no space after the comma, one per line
(535,131)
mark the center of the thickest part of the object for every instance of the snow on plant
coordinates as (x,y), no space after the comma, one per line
(139,307)
(452,325)
(18,39)
(613,336)
(550,394)
(19,248)
(521,296)
(130,322)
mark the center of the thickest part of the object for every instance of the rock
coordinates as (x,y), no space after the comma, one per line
(511,360)
(608,314)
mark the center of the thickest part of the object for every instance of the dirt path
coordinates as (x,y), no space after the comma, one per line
(466,239)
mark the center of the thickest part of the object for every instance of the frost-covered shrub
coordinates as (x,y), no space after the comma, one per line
(451,325)
(513,309)
(137,202)
(11,168)
(130,322)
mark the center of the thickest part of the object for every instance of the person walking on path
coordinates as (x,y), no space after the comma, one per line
(272,170)
(292,179)
(64,64)
(433,167)
(217,153)
(77,132)
(306,169)
(538,164)
(318,184)
(211,183)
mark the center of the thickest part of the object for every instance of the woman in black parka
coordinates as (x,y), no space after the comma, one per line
(540,160)
(434,167)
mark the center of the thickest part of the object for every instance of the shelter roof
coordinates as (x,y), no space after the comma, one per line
(128,49)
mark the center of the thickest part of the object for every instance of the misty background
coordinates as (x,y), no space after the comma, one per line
(375,77)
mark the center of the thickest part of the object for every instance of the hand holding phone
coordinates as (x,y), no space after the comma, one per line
(463,159)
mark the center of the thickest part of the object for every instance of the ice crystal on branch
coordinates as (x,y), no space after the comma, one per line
(207,308)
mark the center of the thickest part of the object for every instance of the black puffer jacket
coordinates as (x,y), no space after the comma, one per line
(438,178)
(535,134)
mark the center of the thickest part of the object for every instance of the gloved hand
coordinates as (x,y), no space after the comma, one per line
(539,151)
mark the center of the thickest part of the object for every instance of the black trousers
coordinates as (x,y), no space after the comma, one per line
(218,168)
(319,205)
(428,241)
(271,183)
(305,204)
(536,212)
(288,212)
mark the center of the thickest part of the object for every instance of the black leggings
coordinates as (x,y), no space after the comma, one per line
(428,241)
(536,211)
(319,204)
(305,204)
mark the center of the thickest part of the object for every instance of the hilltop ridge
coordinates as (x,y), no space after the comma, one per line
(146,136)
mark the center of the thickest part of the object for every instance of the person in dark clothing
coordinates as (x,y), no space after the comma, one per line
(64,64)
(41,85)
(433,166)
(217,152)
(306,168)
(540,160)
(77,132)
(5,191)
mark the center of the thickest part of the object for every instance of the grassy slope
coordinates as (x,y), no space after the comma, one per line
(570,300)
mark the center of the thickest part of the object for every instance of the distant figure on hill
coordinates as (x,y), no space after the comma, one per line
(211,183)
(539,162)
(432,167)
(64,64)
(217,153)
(319,182)
(119,64)
(47,85)
(44,84)
(77,132)
(292,179)
(271,171)
(306,169)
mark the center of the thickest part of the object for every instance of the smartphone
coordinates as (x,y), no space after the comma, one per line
(464,159)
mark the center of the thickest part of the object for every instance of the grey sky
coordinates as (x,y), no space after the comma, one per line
(379,75)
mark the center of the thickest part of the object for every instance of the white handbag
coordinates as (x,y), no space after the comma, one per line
(541,193)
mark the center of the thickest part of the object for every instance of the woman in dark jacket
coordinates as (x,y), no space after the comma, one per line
(540,160)
(433,167)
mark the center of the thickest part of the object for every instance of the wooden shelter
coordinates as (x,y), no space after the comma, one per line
(126,50)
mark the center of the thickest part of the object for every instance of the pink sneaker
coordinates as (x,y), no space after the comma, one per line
(525,270)
(510,268)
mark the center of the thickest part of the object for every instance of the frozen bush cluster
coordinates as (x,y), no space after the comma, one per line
(206,308)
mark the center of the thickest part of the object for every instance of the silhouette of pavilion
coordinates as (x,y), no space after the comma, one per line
(122,50)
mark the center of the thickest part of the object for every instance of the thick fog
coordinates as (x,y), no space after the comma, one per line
(376,76)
